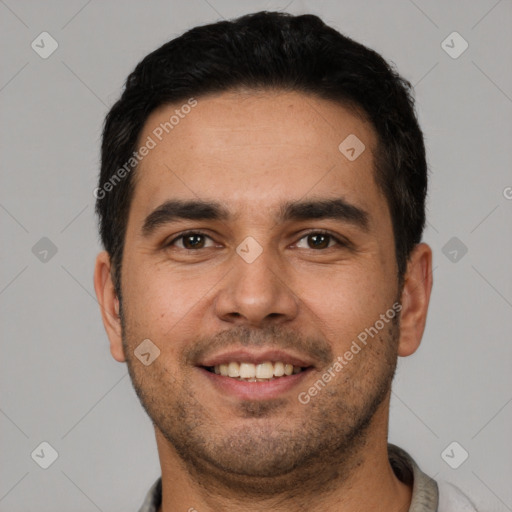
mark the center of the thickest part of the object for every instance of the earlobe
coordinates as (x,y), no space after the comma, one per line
(415,299)
(109,305)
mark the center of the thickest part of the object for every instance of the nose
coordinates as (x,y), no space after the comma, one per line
(256,293)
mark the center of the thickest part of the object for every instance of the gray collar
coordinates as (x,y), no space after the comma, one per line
(425,493)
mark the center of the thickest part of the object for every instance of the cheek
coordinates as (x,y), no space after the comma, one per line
(163,301)
(345,301)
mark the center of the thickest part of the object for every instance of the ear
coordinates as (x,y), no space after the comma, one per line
(415,299)
(109,304)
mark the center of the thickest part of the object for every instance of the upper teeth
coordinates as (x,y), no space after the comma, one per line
(267,370)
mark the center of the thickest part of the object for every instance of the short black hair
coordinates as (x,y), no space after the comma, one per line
(269,50)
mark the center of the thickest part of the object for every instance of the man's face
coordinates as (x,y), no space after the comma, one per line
(263,280)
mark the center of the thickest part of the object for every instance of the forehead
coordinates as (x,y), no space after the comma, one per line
(243,148)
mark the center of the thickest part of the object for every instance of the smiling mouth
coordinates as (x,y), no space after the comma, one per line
(249,372)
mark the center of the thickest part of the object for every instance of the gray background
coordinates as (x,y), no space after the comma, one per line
(59,383)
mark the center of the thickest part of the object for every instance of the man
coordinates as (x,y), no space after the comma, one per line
(261,204)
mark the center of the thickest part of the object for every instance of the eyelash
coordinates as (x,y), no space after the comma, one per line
(338,241)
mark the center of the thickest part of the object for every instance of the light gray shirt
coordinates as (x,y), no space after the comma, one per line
(427,495)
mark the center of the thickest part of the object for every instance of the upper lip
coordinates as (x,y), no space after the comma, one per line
(255,357)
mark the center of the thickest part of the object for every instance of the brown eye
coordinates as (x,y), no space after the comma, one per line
(191,241)
(319,240)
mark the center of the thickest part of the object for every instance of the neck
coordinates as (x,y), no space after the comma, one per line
(363,480)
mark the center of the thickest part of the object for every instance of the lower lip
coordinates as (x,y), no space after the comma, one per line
(255,390)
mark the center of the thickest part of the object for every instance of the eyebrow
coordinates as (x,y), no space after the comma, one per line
(336,209)
(176,209)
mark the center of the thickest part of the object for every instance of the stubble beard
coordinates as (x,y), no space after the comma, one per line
(264,454)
